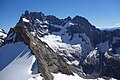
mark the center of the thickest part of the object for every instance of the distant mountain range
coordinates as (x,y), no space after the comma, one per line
(42,46)
(110,29)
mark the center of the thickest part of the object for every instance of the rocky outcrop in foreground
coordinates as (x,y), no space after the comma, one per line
(48,61)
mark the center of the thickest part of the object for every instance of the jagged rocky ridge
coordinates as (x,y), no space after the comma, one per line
(3,35)
(48,61)
(92,53)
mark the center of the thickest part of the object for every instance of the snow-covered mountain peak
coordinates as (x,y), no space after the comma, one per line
(68,46)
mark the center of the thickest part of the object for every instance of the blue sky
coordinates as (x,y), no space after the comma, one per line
(101,13)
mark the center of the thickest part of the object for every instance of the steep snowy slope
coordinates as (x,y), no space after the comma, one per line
(16,62)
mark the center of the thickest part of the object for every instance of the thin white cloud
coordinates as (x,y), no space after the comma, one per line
(117,24)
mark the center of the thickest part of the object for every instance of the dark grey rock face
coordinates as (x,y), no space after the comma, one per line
(111,66)
(54,20)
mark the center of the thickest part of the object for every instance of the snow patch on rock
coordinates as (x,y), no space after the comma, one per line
(25,20)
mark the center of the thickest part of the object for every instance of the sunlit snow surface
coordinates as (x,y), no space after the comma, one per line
(60,76)
(15,62)
(25,20)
